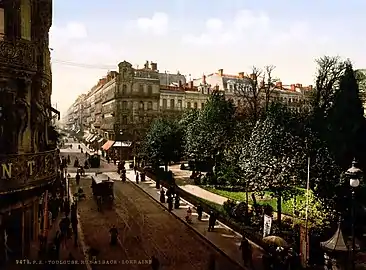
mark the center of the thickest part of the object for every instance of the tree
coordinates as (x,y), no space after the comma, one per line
(163,142)
(208,135)
(330,71)
(273,158)
(346,123)
(256,91)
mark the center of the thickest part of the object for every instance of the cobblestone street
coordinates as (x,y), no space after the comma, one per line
(146,229)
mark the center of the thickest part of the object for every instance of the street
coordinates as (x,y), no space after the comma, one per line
(145,228)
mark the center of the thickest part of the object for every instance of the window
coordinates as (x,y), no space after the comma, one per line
(149,90)
(2,22)
(195,105)
(141,119)
(231,87)
(25,15)
(130,105)
(172,104)
(142,105)
(188,105)
(180,104)
(141,88)
(124,89)
(124,105)
(124,120)
(165,103)
(149,105)
(202,105)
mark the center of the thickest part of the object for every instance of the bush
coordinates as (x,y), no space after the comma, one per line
(240,211)
(229,206)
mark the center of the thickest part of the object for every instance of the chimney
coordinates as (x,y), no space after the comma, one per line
(310,87)
(221,72)
(298,85)
(191,84)
(279,85)
(204,79)
(253,76)
(146,66)
(154,66)
(241,75)
(293,86)
(180,84)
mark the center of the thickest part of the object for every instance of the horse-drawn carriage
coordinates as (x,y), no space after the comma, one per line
(102,187)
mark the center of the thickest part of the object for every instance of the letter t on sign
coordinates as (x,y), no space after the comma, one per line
(31,163)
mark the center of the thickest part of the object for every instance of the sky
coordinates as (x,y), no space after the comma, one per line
(89,38)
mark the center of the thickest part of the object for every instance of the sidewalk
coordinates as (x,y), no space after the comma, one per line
(222,237)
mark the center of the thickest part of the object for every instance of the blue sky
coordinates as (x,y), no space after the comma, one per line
(197,37)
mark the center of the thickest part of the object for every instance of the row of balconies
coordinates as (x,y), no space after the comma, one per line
(22,171)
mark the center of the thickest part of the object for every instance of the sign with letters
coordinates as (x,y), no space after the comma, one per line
(267,225)
(21,170)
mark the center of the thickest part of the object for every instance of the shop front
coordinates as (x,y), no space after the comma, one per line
(23,180)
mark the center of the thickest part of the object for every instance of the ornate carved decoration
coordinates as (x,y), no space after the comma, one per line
(18,53)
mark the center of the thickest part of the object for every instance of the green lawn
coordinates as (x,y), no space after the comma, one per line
(287,206)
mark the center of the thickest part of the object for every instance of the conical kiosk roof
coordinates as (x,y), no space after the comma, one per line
(336,242)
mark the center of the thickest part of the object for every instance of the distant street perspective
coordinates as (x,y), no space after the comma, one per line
(146,230)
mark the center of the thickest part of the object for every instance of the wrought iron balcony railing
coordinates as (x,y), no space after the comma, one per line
(24,171)
(19,54)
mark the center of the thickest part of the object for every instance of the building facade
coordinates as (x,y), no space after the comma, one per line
(126,102)
(28,159)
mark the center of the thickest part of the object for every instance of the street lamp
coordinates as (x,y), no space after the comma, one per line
(354,175)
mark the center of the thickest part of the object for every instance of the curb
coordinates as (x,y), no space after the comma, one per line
(191,228)
(82,244)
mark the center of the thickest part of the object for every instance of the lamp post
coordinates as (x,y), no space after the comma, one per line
(354,175)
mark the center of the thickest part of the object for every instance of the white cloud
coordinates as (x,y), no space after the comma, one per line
(234,42)
(157,24)
(214,25)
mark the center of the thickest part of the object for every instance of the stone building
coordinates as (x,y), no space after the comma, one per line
(127,101)
(28,159)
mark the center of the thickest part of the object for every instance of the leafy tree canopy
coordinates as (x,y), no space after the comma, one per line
(208,134)
(163,142)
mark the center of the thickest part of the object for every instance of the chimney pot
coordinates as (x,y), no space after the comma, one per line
(221,72)
(180,84)
(279,85)
(293,86)
(204,79)
(253,76)
(241,75)
(191,84)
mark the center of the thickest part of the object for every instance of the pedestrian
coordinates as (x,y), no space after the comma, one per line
(77,178)
(135,168)
(57,243)
(137,178)
(63,229)
(66,207)
(170,203)
(199,211)
(108,159)
(114,161)
(74,225)
(162,195)
(114,235)
(189,215)
(176,201)
(246,252)
(211,221)
(155,264)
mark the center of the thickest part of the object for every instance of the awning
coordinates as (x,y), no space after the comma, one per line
(122,144)
(93,139)
(100,140)
(89,137)
(107,145)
